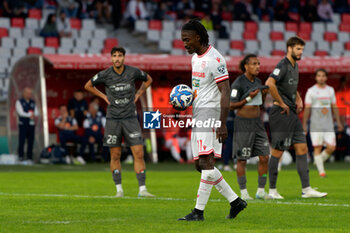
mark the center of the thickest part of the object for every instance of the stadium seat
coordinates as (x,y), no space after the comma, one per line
(263,36)
(3,32)
(167,35)
(49,50)
(85,33)
(175,51)
(264,27)
(52,42)
(5,53)
(310,47)
(323,46)
(331,27)
(153,35)
(305,27)
(88,24)
(22,43)
(178,34)
(64,51)
(251,27)
(67,43)
(79,50)
(345,18)
(141,25)
(279,45)
(15,32)
(249,35)
(251,46)
(237,45)
(7,42)
(100,33)
(276,35)
(236,35)
(105,51)
(168,25)
(96,44)
(75,23)
(34,50)
(330,36)
(347,45)
(110,43)
(178,44)
(28,33)
(294,16)
(291,26)
(318,27)
(32,23)
(336,18)
(94,51)
(84,43)
(304,35)
(226,15)
(5,22)
(321,53)
(165,45)
(237,26)
(266,46)
(343,36)
(223,45)
(235,52)
(19,52)
(264,53)
(278,53)
(337,48)
(37,42)
(344,27)
(278,26)
(155,25)
(289,34)
(17,22)
(34,13)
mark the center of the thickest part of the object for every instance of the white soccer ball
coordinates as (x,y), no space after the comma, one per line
(286,158)
(181,96)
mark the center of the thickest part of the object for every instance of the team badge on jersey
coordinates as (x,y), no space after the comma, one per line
(276,71)
(222,69)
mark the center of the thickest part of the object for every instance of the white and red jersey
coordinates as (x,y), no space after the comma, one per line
(208,69)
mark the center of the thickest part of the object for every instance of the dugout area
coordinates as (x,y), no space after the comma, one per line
(55,77)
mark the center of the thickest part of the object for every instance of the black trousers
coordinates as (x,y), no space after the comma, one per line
(26,132)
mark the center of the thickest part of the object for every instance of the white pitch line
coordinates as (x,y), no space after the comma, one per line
(173,199)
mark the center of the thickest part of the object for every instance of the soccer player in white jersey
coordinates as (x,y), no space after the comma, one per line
(211,89)
(320,102)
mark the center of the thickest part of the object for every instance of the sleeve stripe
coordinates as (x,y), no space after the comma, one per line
(222,79)
(226,75)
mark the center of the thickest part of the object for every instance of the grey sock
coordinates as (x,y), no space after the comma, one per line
(117,176)
(273,171)
(141,177)
(303,170)
(262,181)
(242,181)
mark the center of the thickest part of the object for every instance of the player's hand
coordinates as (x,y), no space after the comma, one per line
(300,106)
(285,108)
(254,93)
(137,96)
(221,133)
(265,91)
(106,100)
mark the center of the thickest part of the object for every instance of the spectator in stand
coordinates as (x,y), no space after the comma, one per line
(93,125)
(68,6)
(50,5)
(85,9)
(67,126)
(14,9)
(50,27)
(63,25)
(217,20)
(207,22)
(263,7)
(185,9)
(117,13)
(281,11)
(161,13)
(77,107)
(325,11)
(309,11)
(103,11)
(38,4)
(135,10)
(341,6)
(101,111)
(203,5)
(242,11)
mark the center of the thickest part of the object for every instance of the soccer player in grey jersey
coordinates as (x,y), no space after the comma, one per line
(286,128)
(119,81)
(249,137)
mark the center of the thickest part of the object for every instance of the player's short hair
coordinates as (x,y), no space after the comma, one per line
(118,49)
(295,40)
(199,29)
(321,70)
(245,61)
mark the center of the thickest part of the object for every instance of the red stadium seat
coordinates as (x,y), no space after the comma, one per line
(17,22)
(105,51)
(75,23)
(226,15)
(305,27)
(294,16)
(34,50)
(237,44)
(110,43)
(330,36)
(155,25)
(178,44)
(249,35)
(345,18)
(278,53)
(34,13)
(321,53)
(4,32)
(52,42)
(344,27)
(199,14)
(304,35)
(291,27)
(276,36)
(251,27)
(347,45)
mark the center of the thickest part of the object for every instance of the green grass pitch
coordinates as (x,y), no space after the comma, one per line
(46,198)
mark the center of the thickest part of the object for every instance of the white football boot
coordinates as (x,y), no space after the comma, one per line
(273,194)
(310,192)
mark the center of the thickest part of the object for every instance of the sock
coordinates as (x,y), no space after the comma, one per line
(117,178)
(273,171)
(205,186)
(303,170)
(260,190)
(325,155)
(262,181)
(319,163)
(223,187)
(141,177)
(242,181)
(119,188)
(244,192)
(176,155)
(142,188)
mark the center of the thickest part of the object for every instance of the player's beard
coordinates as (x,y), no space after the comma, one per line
(295,57)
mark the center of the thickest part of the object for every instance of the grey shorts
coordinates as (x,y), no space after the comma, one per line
(286,130)
(249,138)
(127,128)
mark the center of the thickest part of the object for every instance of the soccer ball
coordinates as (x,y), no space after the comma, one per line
(181,96)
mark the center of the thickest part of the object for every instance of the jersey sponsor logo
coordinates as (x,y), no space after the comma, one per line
(218,59)
(222,69)
(151,120)
(135,135)
(195,82)
(122,101)
(198,74)
(234,93)
(291,81)
(95,78)
(120,87)
(276,71)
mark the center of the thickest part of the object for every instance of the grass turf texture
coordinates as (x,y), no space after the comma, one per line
(46,198)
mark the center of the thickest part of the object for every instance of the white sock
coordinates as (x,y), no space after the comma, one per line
(260,190)
(325,155)
(304,190)
(204,190)
(222,186)
(142,188)
(119,188)
(319,163)
(244,191)
(176,155)
(272,190)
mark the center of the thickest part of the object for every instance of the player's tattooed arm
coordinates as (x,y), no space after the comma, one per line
(90,88)
(143,88)
(224,88)
(271,82)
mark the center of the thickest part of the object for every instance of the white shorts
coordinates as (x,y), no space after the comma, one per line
(321,138)
(205,143)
